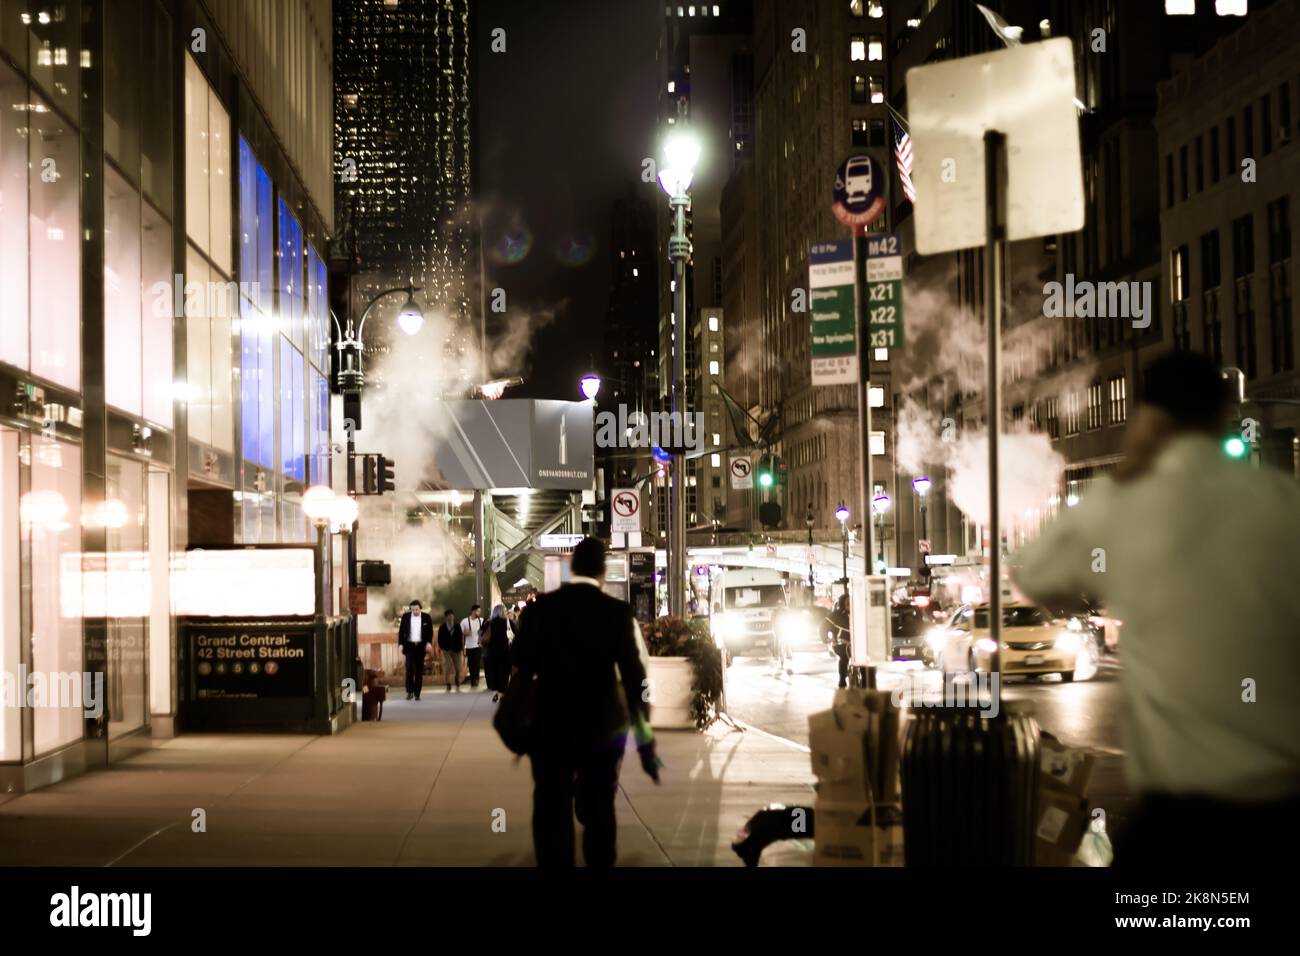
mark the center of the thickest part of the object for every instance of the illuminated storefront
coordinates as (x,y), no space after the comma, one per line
(164,190)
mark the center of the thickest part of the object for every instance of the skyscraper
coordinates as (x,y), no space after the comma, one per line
(403,154)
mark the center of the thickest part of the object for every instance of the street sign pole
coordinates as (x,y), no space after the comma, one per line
(862,345)
(994,251)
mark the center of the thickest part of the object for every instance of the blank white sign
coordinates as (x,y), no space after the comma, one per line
(1026,92)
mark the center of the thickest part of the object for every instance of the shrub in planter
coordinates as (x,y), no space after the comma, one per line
(675,637)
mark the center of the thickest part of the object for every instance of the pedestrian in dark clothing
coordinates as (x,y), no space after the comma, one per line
(586,652)
(451,642)
(497,646)
(837,633)
(414,635)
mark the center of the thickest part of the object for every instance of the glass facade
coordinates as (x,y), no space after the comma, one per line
(212,382)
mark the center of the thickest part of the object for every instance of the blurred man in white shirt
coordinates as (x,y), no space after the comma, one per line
(473,646)
(1199,556)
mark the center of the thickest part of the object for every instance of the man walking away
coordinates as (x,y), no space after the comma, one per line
(451,641)
(470,628)
(586,651)
(1197,554)
(837,633)
(415,634)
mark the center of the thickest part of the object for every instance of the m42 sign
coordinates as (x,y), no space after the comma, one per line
(884,290)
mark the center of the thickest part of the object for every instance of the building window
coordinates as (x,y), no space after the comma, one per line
(1284,113)
(1230,125)
(1248,131)
(713,368)
(1118,400)
(1095,414)
(1211,320)
(877,132)
(1200,165)
(1216,161)
(876,48)
(877,89)
(1281,333)
(857,7)
(858,90)
(1243,268)
(1179,279)
(209,255)
(1182,172)
(1071,414)
(1266,124)
(857,47)
(713,323)
(860,136)
(1169,180)
(1052,420)
(875,9)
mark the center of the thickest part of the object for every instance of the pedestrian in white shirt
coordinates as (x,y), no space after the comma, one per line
(470,627)
(1199,556)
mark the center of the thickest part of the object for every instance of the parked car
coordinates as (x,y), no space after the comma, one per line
(1033,643)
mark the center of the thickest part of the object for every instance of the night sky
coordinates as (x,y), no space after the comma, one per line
(565,117)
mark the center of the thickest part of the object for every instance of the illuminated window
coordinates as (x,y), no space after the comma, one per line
(875,10)
(715,460)
(713,323)
(875,48)
(713,368)
(877,90)
(857,47)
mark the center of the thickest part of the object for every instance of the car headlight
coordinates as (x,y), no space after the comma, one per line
(986,645)
(791,627)
(1075,624)
(726,626)
(1069,642)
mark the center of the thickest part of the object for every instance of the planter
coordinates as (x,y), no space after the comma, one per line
(670,679)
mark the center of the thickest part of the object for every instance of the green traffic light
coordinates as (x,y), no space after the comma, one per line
(1235,447)
(765,479)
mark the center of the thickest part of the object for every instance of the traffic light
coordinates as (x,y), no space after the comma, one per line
(369,480)
(384,473)
(766,472)
(1242,435)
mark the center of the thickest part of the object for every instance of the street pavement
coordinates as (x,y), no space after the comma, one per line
(1081,714)
(430,785)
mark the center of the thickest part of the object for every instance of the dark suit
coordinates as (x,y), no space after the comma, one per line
(581,645)
(414,651)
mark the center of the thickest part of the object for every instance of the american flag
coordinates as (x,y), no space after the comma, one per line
(903,153)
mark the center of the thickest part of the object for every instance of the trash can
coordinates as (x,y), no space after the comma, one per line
(970,786)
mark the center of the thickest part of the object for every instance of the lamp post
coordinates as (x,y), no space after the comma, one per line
(681,152)
(880,504)
(809,520)
(842,515)
(590,386)
(351,379)
(921,486)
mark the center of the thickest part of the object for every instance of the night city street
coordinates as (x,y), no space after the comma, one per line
(447,439)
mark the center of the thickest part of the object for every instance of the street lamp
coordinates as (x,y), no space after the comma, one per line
(810,520)
(590,385)
(410,318)
(681,153)
(921,485)
(842,515)
(880,504)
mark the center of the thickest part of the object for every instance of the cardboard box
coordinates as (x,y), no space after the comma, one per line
(837,744)
(855,747)
(846,835)
(1062,814)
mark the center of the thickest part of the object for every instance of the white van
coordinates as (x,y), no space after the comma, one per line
(744,609)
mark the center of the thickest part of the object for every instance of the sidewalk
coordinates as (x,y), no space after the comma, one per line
(430,785)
